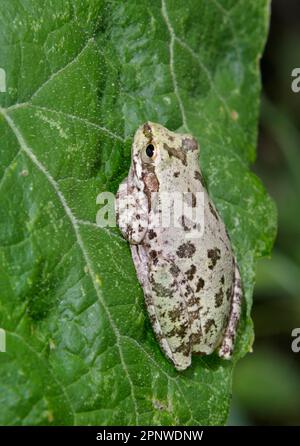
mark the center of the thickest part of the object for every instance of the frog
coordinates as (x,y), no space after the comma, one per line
(190,279)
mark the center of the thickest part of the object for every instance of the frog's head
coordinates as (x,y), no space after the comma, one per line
(159,155)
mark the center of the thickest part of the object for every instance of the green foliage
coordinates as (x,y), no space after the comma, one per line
(82,76)
(268,385)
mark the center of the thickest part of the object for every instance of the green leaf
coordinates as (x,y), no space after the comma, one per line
(81,76)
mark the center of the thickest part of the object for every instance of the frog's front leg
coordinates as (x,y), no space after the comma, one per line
(131,212)
(226,348)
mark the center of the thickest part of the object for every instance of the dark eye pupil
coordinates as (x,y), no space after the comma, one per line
(150,150)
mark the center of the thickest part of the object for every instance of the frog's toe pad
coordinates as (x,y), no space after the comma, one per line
(226,349)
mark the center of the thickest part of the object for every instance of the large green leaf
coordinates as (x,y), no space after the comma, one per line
(81,76)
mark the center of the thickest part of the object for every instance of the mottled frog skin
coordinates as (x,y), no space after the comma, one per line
(191,285)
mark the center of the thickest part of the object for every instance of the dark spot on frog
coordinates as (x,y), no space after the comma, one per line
(189,144)
(196,338)
(176,174)
(138,216)
(186,250)
(209,324)
(151,234)
(229,293)
(198,176)
(134,166)
(184,225)
(190,198)
(194,315)
(200,285)
(176,153)
(222,280)
(178,330)
(171,138)
(161,290)
(214,256)
(151,182)
(174,270)
(225,349)
(147,298)
(219,296)
(129,231)
(159,336)
(154,256)
(238,282)
(213,211)
(188,292)
(194,200)
(174,284)
(191,272)
(192,300)
(175,314)
(152,319)
(147,131)
(184,348)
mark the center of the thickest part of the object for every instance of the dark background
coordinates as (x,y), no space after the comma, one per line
(266,384)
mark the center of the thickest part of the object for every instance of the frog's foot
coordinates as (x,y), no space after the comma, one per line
(177,350)
(226,348)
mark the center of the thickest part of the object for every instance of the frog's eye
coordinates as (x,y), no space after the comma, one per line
(150,150)
(149,153)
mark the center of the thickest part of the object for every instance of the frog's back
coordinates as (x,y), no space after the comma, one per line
(187,269)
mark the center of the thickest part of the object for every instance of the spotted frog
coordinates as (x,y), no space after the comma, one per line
(187,270)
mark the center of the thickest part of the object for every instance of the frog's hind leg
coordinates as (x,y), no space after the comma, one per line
(141,265)
(226,348)
(168,311)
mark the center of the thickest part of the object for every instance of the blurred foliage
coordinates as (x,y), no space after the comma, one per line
(267,382)
(268,386)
